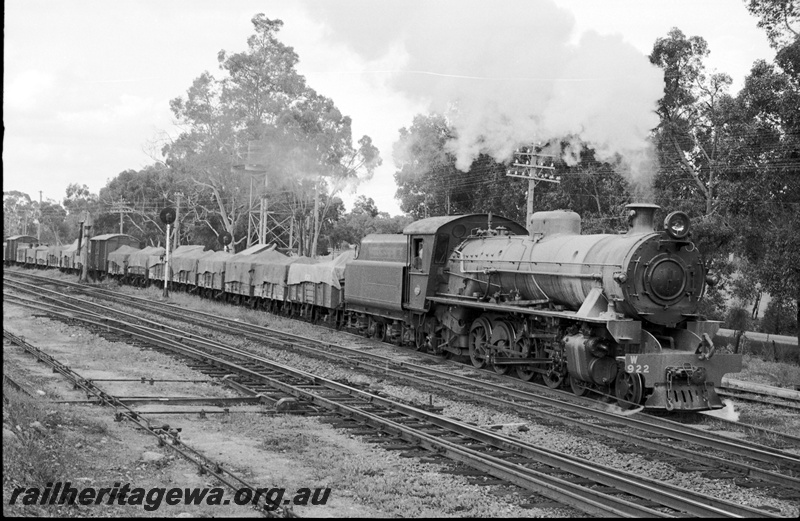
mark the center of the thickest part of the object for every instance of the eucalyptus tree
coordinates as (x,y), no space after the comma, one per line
(428,182)
(262,117)
(78,200)
(312,143)
(204,153)
(779,18)
(694,150)
(54,227)
(142,194)
(693,114)
(763,192)
(18,213)
(365,218)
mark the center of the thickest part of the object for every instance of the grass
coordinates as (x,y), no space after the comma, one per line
(773,351)
(39,451)
(762,371)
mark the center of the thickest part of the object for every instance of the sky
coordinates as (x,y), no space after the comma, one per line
(87,83)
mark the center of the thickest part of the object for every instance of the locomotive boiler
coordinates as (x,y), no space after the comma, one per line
(614,314)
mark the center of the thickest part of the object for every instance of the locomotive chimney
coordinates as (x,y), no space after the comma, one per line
(641,217)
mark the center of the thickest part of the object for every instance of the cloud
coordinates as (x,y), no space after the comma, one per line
(125,110)
(509,73)
(28,90)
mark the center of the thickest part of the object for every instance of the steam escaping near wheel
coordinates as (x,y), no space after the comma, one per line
(727,413)
(613,408)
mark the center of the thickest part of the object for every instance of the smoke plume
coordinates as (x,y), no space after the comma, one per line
(508,73)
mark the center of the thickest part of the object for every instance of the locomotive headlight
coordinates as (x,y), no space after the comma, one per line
(677,225)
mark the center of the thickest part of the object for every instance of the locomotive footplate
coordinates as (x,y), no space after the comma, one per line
(680,379)
(519,361)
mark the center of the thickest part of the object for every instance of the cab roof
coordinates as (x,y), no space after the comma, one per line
(432,225)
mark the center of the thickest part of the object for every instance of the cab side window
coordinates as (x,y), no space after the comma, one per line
(419,254)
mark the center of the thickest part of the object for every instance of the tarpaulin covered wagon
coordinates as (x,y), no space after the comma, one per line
(157,263)
(183,264)
(211,273)
(238,271)
(317,287)
(118,261)
(139,263)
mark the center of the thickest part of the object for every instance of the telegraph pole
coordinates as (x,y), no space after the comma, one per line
(39,220)
(530,164)
(316,218)
(250,217)
(120,208)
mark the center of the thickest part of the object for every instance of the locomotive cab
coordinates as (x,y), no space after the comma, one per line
(430,245)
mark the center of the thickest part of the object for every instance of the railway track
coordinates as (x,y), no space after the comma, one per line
(433,371)
(123,411)
(649,427)
(500,456)
(781,398)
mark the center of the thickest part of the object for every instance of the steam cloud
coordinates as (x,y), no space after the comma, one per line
(506,74)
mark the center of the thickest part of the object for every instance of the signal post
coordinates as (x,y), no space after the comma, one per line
(167,216)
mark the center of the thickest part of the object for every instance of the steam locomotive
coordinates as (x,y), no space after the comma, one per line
(610,314)
(615,314)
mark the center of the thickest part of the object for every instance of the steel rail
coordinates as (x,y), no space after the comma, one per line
(698,507)
(749,451)
(759,398)
(579,497)
(122,411)
(663,427)
(648,443)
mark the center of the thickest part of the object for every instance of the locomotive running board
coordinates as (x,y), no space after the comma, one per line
(490,306)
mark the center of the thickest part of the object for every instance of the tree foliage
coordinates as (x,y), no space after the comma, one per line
(259,134)
(430,184)
(780,19)
(262,117)
(18,213)
(143,194)
(46,219)
(365,218)
(693,113)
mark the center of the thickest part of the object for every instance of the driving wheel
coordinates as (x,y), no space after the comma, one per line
(629,390)
(503,338)
(578,387)
(479,335)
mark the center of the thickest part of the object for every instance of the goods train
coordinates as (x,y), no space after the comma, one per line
(615,315)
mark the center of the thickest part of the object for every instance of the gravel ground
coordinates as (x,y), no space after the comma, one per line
(289,452)
(365,475)
(563,441)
